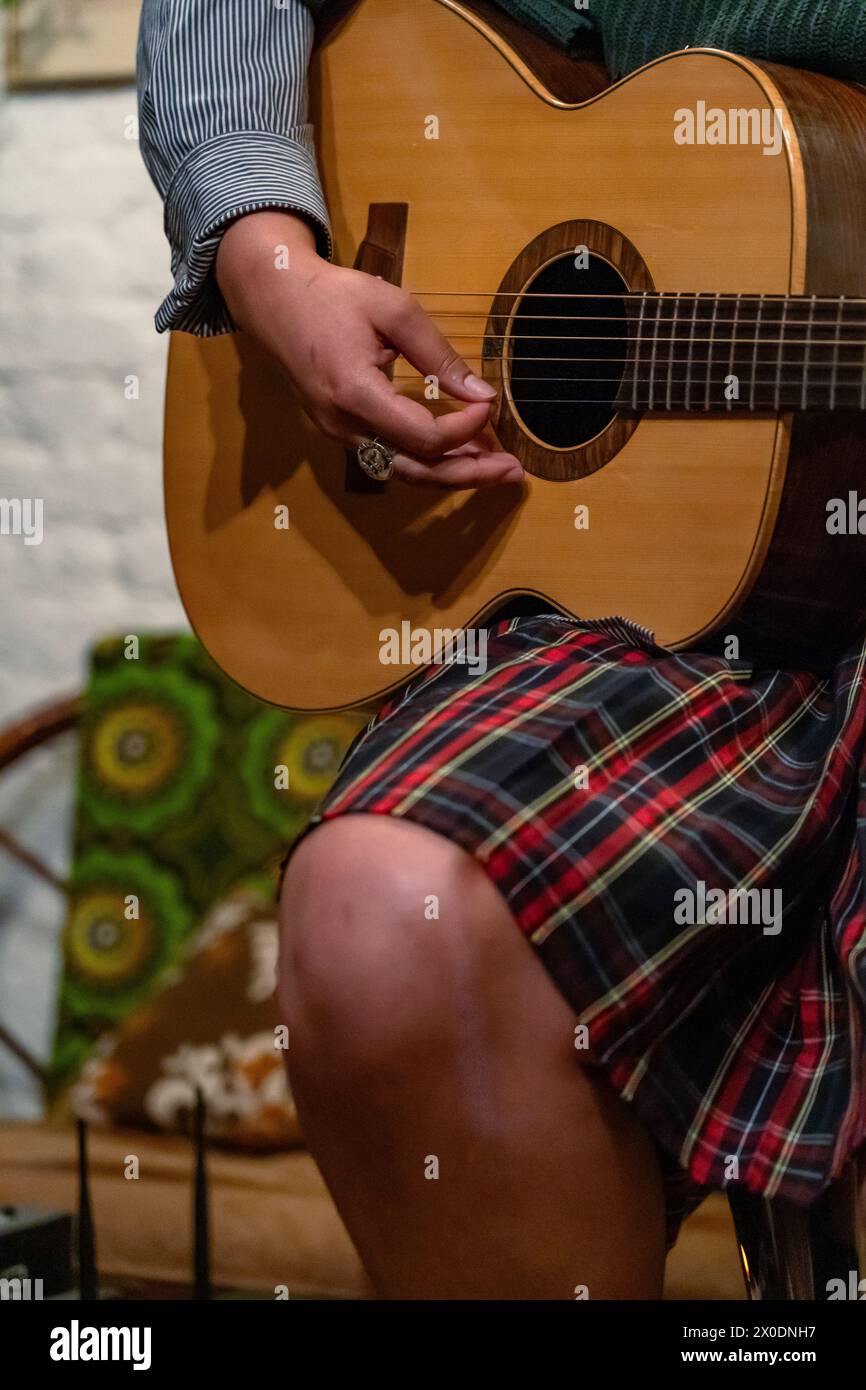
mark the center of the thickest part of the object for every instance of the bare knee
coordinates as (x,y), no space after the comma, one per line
(379,917)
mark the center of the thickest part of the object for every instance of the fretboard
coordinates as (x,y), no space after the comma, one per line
(759,353)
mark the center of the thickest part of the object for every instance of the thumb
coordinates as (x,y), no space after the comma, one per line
(415,334)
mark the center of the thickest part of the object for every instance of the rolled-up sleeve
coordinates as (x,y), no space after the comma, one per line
(222,98)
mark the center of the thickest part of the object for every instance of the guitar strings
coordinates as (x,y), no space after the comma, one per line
(658,405)
(647,339)
(653,323)
(632,296)
(641,381)
(668,363)
(662,383)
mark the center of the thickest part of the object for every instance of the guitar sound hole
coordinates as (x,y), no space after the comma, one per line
(566,355)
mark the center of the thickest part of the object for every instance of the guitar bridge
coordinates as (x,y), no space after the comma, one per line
(380,253)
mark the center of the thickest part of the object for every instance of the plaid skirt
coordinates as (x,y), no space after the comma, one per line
(681,837)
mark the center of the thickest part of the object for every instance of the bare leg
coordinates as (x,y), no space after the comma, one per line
(421,1046)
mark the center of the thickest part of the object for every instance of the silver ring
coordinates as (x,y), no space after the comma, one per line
(376,459)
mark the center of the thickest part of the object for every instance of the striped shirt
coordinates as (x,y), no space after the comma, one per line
(222,99)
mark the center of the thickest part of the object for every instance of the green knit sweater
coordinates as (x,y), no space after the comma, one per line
(825,35)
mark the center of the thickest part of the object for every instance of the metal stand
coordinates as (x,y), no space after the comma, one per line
(814,1253)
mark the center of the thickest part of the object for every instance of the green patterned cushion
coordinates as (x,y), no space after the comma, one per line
(188,789)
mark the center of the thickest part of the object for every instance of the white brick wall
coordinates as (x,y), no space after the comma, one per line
(83,264)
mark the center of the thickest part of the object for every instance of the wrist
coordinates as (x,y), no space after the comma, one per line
(257,245)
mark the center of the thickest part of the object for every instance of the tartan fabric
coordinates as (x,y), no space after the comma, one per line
(595,775)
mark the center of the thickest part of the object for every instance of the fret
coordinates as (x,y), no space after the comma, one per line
(798,352)
(637,344)
(655,348)
(675,322)
(755,353)
(835,366)
(731,404)
(804,399)
(688,403)
(707,402)
(780,357)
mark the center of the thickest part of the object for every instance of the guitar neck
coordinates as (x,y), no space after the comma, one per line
(758,353)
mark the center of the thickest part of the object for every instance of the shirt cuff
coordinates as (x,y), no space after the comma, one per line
(220,180)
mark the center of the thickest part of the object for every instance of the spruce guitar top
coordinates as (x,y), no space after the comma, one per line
(666,281)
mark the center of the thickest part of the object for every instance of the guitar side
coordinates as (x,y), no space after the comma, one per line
(808,601)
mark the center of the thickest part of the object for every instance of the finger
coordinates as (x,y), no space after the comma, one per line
(405,323)
(373,404)
(459,470)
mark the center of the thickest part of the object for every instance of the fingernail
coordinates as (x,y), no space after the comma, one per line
(482,389)
(514,475)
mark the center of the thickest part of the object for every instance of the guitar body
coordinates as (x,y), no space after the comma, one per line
(697,526)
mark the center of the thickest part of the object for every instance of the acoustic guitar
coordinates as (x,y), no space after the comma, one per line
(664,278)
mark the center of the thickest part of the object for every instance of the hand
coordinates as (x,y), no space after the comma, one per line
(334,330)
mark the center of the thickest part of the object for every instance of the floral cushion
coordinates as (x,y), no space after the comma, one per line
(212,1026)
(188,789)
